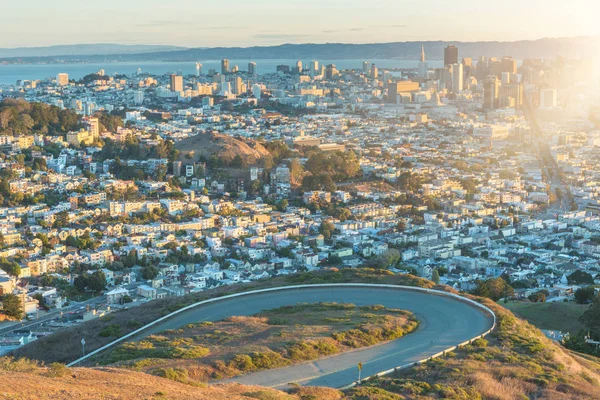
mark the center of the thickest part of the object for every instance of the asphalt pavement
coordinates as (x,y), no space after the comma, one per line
(444,322)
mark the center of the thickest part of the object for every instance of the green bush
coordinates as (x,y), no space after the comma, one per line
(110,330)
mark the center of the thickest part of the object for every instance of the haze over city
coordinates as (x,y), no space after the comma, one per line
(191,23)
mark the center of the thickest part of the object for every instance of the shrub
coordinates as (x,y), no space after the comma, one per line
(110,330)
(243,362)
(57,370)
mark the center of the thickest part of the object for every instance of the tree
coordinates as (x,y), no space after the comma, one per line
(11,268)
(97,281)
(494,289)
(591,317)
(61,219)
(282,205)
(584,295)
(435,276)
(149,272)
(326,229)
(388,259)
(580,278)
(81,282)
(539,296)
(12,306)
(131,259)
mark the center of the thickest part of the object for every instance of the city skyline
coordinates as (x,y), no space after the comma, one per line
(267,22)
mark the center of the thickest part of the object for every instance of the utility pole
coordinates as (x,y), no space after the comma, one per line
(83,347)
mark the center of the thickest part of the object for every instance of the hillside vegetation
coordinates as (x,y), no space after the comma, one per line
(284,336)
(64,346)
(515,362)
(225,148)
(19,117)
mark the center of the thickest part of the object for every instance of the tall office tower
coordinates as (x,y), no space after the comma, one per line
(62,79)
(331,71)
(451,55)
(176,83)
(237,85)
(374,71)
(491,92)
(456,77)
(235,69)
(509,65)
(224,66)
(257,91)
(198,69)
(482,70)
(252,68)
(510,95)
(138,97)
(299,67)
(138,72)
(314,68)
(423,67)
(366,66)
(548,98)
(101,72)
(505,78)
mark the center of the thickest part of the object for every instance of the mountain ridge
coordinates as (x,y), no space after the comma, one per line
(541,48)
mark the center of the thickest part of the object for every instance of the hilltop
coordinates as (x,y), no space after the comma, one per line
(224,147)
(542,48)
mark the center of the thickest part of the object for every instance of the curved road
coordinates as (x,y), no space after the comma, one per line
(444,322)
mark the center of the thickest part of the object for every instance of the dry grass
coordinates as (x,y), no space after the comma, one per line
(38,382)
(271,339)
(516,362)
(64,346)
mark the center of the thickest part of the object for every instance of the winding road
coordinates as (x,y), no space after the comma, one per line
(444,322)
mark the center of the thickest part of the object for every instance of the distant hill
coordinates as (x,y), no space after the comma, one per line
(84,50)
(543,48)
(225,147)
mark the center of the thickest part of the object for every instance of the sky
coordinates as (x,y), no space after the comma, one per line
(213,23)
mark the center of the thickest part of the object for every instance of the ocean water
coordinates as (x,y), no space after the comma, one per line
(11,73)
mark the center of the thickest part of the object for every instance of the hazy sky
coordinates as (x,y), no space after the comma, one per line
(210,23)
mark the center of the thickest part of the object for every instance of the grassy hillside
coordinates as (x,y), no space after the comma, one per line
(27,380)
(516,362)
(64,346)
(554,316)
(223,146)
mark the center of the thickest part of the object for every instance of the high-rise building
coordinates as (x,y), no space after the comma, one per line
(548,99)
(401,87)
(62,79)
(374,71)
(257,91)
(237,85)
(510,95)
(93,126)
(138,97)
(456,77)
(331,71)
(491,92)
(314,68)
(252,68)
(451,55)
(224,66)
(298,69)
(423,67)
(366,67)
(509,65)
(198,69)
(176,83)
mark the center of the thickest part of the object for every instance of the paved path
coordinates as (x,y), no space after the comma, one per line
(445,322)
